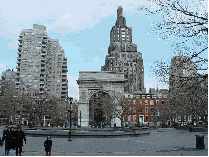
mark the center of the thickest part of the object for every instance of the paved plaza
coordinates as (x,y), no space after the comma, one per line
(160,142)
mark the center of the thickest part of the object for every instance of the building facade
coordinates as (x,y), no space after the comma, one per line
(7,80)
(144,108)
(41,64)
(123,56)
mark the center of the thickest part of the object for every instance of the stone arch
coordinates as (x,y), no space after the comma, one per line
(91,82)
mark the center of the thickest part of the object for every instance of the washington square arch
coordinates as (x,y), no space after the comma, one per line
(100,98)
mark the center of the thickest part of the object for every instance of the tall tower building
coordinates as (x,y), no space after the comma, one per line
(182,68)
(123,56)
(42,66)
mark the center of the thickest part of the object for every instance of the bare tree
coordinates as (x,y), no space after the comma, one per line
(185,25)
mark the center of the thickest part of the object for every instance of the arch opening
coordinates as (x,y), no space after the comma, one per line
(100,110)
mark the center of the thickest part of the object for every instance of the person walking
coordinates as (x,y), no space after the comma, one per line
(48,145)
(19,135)
(8,138)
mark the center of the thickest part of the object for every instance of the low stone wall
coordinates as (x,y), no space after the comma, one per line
(198,129)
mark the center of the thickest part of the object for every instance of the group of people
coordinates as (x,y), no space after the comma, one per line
(14,140)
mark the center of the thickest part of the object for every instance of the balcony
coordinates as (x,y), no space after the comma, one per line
(20,44)
(64,69)
(41,82)
(42,92)
(18,67)
(41,78)
(18,62)
(44,50)
(41,87)
(17,77)
(45,36)
(43,59)
(44,41)
(17,83)
(44,45)
(19,58)
(64,83)
(64,66)
(64,91)
(20,39)
(18,72)
(63,95)
(64,79)
(19,49)
(43,54)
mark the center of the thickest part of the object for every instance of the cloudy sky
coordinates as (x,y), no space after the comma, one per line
(83,28)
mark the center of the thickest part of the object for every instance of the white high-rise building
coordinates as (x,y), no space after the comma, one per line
(42,66)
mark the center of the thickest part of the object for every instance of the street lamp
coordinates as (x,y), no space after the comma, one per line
(70,110)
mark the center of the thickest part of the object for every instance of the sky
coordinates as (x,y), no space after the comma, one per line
(83,29)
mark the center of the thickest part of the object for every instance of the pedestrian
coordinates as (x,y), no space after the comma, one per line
(1,143)
(8,138)
(48,145)
(19,136)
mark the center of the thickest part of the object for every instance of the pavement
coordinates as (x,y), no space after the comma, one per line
(160,142)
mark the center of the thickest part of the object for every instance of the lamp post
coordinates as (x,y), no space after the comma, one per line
(80,118)
(70,110)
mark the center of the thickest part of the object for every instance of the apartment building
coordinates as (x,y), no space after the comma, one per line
(144,108)
(7,80)
(41,64)
(123,56)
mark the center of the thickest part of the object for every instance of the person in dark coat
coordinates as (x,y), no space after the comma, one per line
(1,144)
(48,145)
(8,138)
(19,135)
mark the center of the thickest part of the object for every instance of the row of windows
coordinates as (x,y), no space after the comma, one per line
(146,102)
(140,109)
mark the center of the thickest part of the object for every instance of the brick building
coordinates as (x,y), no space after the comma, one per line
(144,108)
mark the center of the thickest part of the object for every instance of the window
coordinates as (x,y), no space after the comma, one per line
(162,102)
(140,102)
(140,109)
(146,109)
(134,117)
(146,102)
(129,110)
(151,102)
(129,118)
(129,102)
(157,102)
(134,102)
(146,117)
(151,109)
(134,109)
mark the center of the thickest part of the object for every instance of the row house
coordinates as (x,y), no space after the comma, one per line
(144,108)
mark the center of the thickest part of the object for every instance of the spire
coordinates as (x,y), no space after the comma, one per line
(121,21)
(119,12)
